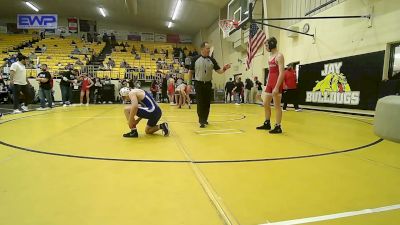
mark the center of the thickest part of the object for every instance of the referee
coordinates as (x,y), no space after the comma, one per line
(202,66)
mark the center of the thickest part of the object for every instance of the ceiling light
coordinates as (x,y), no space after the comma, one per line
(32,6)
(102,12)
(177,8)
(169,24)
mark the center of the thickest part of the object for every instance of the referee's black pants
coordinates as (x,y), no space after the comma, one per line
(203,98)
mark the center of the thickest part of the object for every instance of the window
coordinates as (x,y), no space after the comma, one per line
(394,63)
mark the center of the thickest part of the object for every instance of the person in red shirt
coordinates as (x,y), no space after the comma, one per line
(274,87)
(290,87)
(85,89)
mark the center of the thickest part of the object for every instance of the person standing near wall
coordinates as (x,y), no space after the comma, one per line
(201,69)
(258,89)
(44,79)
(228,90)
(68,78)
(247,91)
(290,86)
(20,83)
(274,87)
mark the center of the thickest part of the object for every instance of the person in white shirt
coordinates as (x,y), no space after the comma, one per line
(20,83)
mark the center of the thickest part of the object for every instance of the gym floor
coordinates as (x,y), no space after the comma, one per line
(72,166)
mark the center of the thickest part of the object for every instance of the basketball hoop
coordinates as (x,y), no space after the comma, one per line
(227,25)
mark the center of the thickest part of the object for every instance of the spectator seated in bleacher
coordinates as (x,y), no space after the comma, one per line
(38,49)
(76,50)
(123,49)
(155,51)
(142,70)
(126,44)
(133,52)
(58,64)
(124,64)
(110,63)
(137,57)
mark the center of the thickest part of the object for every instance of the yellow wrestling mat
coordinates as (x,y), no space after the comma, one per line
(72,166)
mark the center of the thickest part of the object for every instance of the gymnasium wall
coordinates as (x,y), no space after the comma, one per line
(120,30)
(334,38)
(345,37)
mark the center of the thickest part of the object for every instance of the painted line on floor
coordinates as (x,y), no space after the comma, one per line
(175,161)
(207,131)
(218,133)
(335,216)
(351,117)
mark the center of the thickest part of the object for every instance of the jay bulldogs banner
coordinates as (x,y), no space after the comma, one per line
(350,82)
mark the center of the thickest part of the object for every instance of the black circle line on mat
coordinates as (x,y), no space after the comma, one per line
(194,161)
(184,161)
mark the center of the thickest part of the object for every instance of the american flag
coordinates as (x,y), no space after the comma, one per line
(256,40)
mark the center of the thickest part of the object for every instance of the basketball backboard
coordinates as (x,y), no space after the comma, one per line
(238,10)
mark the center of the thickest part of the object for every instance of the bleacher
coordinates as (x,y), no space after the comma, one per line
(8,42)
(148,60)
(58,53)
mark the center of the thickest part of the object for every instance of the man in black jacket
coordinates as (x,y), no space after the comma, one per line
(228,90)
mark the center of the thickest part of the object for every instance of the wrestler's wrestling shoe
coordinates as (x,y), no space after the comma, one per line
(132,134)
(165,129)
